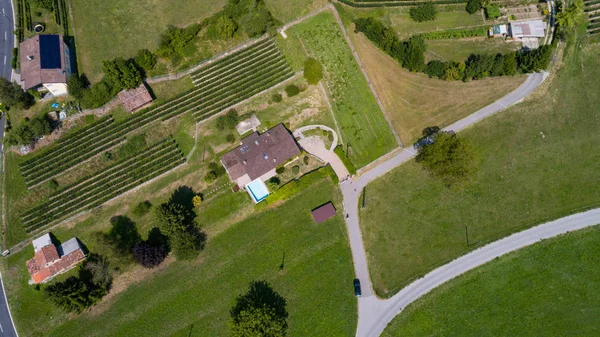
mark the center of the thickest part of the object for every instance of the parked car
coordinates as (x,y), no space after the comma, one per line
(357,291)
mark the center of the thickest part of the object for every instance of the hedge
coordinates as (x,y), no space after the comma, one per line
(349,166)
(399,3)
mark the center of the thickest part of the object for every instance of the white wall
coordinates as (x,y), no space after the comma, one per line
(57,89)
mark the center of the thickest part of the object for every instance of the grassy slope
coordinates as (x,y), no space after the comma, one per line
(195,298)
(545,290)
(414,101)
(286,11)
(459,50)
(413,223)
(361,122)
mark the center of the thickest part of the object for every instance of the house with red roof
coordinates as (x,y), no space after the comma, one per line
(50,260)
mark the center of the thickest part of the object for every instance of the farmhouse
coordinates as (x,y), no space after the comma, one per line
(50,260)
(45,61)
(259,154)
(134,99)
(527,29)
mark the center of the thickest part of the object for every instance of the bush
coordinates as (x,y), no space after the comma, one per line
(12,95)
(107,156)
(273,183)
(423,12)
(53,184)
(435,68)
(227,121)
(296,169)
(152,252)
(174,40)
(292,90)
(142,208)
(280,169)
(77,85)
(277,98)
(230,138)
(305,160)
(253,16)
(196,200)
(313,71)
(121,73)
(210,177)
(473,6)
(492,12)
(226,26)
(145,59)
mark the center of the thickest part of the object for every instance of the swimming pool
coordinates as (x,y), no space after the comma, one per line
(257,190)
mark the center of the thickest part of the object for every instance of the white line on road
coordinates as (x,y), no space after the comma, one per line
(2,10)
(2,330)
(4,59)
(5,36)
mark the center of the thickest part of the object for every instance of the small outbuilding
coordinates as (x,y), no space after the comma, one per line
(134,99)
(527,29)
(323,213)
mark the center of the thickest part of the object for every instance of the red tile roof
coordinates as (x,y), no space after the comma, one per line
(46,263)
(134,99)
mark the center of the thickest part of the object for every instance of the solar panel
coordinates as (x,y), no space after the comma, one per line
(50,52)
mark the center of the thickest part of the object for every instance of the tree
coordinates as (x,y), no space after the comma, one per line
(29,130)
(174,39)
(423,12)
(435,68)
(142,208)
(145,59)
(152,252)
(260,312)
(473,6)
(77,86)
(171,218)
(414,57)
(509,68)
(534,59)
(567,18)
(226,26)
(492,12)
(449,158)
(228,121)
(186,244)
(313,71)
(122,73)
(12,95)
(292,90)
(277,98)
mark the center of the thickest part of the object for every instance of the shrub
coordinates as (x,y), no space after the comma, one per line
(53,184)
(77,85)
(252,16)
(174,40)
(227,121)
(226,26)
(423,12)
(107,156)
(230,138)
(280,169)
(435,68)
(133,146)
(142,208)
(492,12)
(145,59)
(292,90)
(295,169)
(12,95)
(273,183)
(473,6)
(277,98)
(313,71)
(152,252)
(305,160)
(455,33)
(210,177)
(121,73)
(196,200)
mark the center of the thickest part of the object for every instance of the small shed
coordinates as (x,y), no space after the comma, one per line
(323,213)
(133,99)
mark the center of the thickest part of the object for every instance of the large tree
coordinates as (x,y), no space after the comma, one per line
(260,312)
(122,73)
(12,95)
(449,158)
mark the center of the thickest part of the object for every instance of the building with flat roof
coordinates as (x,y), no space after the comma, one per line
(50,260)
(259,154)
(45,61)
(527,29)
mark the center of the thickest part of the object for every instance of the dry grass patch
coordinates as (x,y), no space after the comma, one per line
(414,101)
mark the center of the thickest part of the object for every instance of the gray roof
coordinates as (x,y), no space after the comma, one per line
(68,247)
(40,242)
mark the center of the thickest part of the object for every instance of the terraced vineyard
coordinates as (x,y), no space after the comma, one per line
(100,187)
(396,3)
(218,86)
(592,9)
(362,123)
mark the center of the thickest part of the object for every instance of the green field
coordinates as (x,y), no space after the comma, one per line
(405,26)
(194,298)
(537,161)
(549,289)
(460,49)
(362,124)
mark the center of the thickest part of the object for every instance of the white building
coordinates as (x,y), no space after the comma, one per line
(527,29)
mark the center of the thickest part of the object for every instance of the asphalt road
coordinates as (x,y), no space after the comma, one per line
(375,314)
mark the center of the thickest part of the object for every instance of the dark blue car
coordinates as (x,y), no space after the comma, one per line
(357,291)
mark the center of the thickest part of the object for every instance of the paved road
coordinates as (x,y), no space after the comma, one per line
(7,37)
(373,313)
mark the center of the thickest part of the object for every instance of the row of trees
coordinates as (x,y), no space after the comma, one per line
(410,53)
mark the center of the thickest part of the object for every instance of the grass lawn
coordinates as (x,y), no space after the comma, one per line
(461,49)
(286,11)
(414,101)
(361,122)
(107,29)
(537,161)
(193,299)
(405,26)
(548,289)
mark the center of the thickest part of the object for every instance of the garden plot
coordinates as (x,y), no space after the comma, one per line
(362,124)
(98,188)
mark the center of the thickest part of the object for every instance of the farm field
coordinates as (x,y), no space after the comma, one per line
(194,298)
(461,49)
(414,101)
(459,18)
(543,290)
(362,124)
(534,161)
(108,29)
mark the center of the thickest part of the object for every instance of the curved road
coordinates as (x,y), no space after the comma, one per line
(375,314)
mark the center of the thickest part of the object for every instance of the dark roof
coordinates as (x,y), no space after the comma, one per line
(261,153)
(50,52)
(42,60)
(323,213)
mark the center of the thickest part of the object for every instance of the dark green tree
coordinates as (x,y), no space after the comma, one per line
(292,90)
(473,6)
(313,71)
(226,26)
(509,67)
(449,158)
(122,73)
(227,121)
(423,12)
(146,59)
(12,95)
(77,86)
(175,39)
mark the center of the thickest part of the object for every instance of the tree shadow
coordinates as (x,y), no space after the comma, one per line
(259,295)
(123,234)
(183,196)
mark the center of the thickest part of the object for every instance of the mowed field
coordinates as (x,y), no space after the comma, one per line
(538,161)
(362,124)
(194,298)
(108,29)
(549,289)
(456,18)
(461,49)
(414,101)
